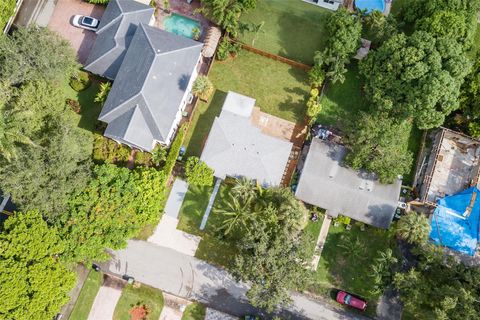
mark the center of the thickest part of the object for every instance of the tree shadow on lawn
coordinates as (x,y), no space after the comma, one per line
(90,110)
(296,37)
(207,113)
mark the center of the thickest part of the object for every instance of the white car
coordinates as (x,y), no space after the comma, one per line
(85,22)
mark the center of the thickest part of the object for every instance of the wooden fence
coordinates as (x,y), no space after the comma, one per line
(269,55)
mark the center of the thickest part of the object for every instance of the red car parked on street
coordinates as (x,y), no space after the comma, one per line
(349,300)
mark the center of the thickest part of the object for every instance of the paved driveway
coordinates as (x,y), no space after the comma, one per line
(61,22)
(106,299)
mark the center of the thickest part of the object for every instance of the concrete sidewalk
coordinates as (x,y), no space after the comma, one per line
(106,300)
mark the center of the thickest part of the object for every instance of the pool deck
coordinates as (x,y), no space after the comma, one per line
(183,8)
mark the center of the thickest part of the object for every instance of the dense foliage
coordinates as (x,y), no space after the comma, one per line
(439,287)
(344,31)
(174,151)
(7,8)
(413,228)
(45,172)
(198,173)
(98,1)
(33,283)
(27,54)
(226,13)
(115,205)
(415,77)
(379,145)
(266,226)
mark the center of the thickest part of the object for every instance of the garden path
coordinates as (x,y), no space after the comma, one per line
(322,236)
(218,182)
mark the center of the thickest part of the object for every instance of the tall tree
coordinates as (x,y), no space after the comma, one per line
(379,145)
(45,174)
(33,283)
(273,261)
(439,287)
(114,206)
(413,228)
(35,53)
(344,31)
(415,77)
(226,13)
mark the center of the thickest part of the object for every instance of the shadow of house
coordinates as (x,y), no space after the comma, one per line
(327,183)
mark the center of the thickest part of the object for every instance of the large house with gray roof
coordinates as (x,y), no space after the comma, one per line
(151,89)
(235,147)
(327,183)
(115,32)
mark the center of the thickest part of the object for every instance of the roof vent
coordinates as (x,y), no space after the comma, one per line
(159,51)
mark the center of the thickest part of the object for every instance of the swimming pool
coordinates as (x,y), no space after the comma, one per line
(181,25)
(370,5)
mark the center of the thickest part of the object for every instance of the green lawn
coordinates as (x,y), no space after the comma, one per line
(313,230)
(144,295)
(342,101)
(279,89)
(87,296)
(194,311)
(339,269)
(292,28)
(212,248)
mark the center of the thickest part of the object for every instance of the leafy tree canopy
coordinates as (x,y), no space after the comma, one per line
(439,287)
(6,11)
(33,283)
(226,13)
(198,173)
(45,173)
(379,145)
(416,77)
(114,206)
(413,228)
(35,53)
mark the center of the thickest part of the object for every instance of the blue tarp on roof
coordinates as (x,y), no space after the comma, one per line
(452,226)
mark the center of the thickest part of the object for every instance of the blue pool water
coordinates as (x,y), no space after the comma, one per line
(181,25)
(370,5)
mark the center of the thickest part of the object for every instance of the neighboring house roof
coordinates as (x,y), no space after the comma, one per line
(235,147)
(150,86)
(327,183)
(117,27)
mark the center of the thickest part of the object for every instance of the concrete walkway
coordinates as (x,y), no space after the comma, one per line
(211,201)
(322,237)
(173,307)
(106,300)
(175,199)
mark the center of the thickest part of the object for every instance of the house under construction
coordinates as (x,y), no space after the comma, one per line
(453,166)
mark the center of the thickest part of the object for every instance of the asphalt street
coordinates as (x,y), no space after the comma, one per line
(191,278)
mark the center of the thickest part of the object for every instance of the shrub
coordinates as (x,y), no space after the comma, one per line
(159,154)
(226,48)
(196,33)
(313,105)
(198,173)
(202,87)
(74,104)
(6,12)
(102,94)
(173,152)
(80,81)
(316,76)
(107,150)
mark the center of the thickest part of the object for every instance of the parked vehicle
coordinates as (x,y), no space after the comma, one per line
(85,22)
(351,301)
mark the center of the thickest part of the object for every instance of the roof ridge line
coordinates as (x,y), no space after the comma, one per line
(119,106)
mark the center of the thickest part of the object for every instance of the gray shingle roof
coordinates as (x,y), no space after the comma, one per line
(327,183)
(235,147)
(150,86)
(117,27)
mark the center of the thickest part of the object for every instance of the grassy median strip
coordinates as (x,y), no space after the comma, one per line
(87,296)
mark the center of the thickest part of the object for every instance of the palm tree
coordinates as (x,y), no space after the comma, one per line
(10,136)
(245,189)
(413,228)
(353,247)
(238,215)
(202,87)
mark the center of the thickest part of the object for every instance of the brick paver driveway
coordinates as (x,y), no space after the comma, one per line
(61,22)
